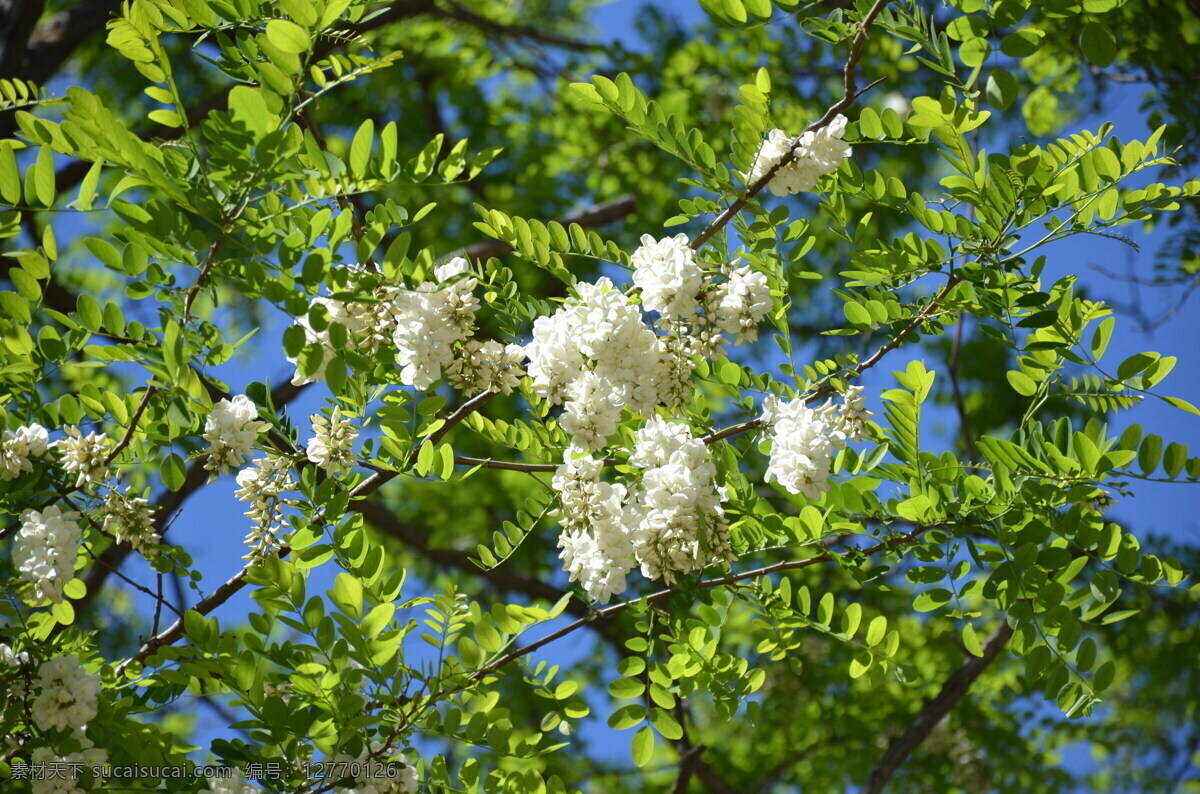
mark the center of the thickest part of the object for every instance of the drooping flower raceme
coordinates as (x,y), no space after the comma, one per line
(130,520)
(46,549)
(18,447)
(430,320)
(339,312)
(740,303)
(803,442)
(83,455)
(667,273)
(67,694)
(854,413)
(231,429)
(817,153)
(596,542)
(681,526)
(332,444)
(262,486)
(601,333)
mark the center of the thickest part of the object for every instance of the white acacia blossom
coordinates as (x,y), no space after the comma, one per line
(739,304)
(803,443)
(46,549)
(854,413)
(235,784)
(231,429)
(10,658)
(667,274)
(596,542)
(340,312)
(487,366)
(404,782)
(18,447)
(332,444)
(67,695)
(817,153)
(262,486)
(430,320)
(130,520)
(599,333)
(88,756)
(83,455)
(681,526)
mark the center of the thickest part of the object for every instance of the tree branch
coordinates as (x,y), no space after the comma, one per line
(935,710)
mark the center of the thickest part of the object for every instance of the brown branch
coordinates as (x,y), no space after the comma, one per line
(706,584)
(956,686)
(458,13)
(849,95)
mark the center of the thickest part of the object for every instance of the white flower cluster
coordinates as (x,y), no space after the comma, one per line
(487,366)
(235,784)
(46,549)
(672,525)
(405,781)
(681,524)
(262,486)
(332,443)
(231,429)
(667,274)
(339,312)
(597,355)
(854,413)
(84,455)
(596,540)
(18,446)
(68,694)
(739,304)
(130,520)
(10,658)
(804,440)
(88,756)
(817,153)
(430,320)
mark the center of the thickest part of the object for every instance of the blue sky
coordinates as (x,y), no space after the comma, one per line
(211,527)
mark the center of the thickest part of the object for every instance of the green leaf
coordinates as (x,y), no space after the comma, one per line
(643,745)
(43,177)
(10,176)
(1135,364)
(360,148)
(1022,384)
(89,312)
(377,619)
(1098,44)
(173,472)
(287,36)
(1001,89)
(666,725)
(1022,43)
(347,594)
(971,640)
(1182,405)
